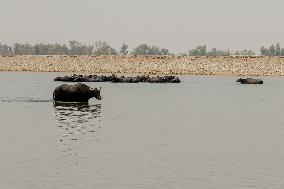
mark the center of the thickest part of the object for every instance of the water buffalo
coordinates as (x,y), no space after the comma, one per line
(118,79)
(75,93)
(165,79)
(250,81)
(157,79)
(175,80)
(64,79)
(123,79)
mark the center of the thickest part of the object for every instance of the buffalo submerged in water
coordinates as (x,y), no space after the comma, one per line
(118,79)
(250,81)
(76,93)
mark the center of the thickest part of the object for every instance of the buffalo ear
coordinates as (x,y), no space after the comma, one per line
(100,89)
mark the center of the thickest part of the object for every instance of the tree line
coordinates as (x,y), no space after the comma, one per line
(73,48)
(102,48)
(202,51)
(273,50)
(77,48)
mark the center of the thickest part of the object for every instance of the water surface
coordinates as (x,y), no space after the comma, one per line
(206,132)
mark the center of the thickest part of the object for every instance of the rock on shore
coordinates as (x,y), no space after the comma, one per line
(149,65)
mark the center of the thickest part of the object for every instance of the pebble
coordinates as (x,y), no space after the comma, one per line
(149,65)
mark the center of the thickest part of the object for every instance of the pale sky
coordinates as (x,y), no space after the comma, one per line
(174,24)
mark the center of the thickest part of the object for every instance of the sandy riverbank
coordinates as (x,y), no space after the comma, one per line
(153,65)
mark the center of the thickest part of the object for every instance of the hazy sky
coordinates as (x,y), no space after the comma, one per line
(174,24)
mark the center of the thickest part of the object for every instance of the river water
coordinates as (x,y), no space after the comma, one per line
(206,132)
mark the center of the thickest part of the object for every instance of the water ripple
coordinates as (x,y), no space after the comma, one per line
(77,122)
(24,99)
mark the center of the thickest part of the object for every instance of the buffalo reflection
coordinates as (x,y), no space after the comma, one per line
(77,119)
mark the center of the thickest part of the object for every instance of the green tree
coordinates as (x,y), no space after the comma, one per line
(182,54)
(77,48)
(24,49)
(165,51)
(237,53)
(5,50)
(277,49)
(272,51)
(213,52)
(154,50)
(198,51)
(102,48)
(59,49)
(263,51)
(17,49)
(74,47)
(282,52)
(247,52)
(124,49)
(144,49)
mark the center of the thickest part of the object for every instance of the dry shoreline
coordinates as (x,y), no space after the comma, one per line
(152,65)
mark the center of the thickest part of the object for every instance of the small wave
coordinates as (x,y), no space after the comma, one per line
(24,100)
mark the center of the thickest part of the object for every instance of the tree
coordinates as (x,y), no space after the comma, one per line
(102,48)
(23,49)
(182,54)
(165,51)
(123,50)
(272,51)
(198,51)
(213,52)
(5,50)
(282,52)
(154,50)
(63,49)
(76,48)
(277,49)
(237,53)
(37,49)
(144,49)
(263,51)
(247,52)
(17,49)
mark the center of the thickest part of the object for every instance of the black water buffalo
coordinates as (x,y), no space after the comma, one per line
(175,80)
(118,79)
(123,79)
(75,93)
(64,79)
(96,78)
(250,81)
(165,79)
(157,79)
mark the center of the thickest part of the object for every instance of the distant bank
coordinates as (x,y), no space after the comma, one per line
(152,65)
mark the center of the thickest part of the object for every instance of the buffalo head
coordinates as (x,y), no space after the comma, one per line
(96,93)
(240,80)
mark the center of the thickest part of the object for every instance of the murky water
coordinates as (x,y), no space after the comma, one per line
(207,132)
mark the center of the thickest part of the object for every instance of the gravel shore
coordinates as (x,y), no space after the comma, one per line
(152,65)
